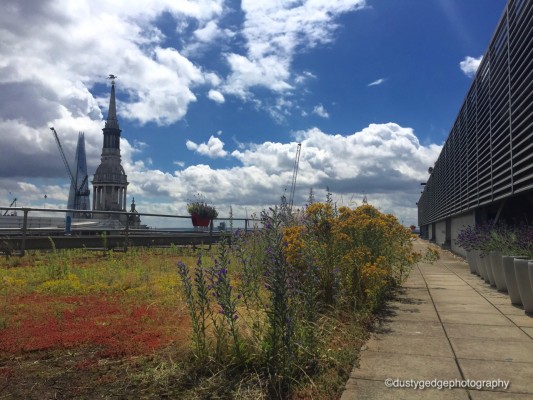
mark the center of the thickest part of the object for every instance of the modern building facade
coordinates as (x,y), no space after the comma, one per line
(110,182)
(78,198)
(484,173)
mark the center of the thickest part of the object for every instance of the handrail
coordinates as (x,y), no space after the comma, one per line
(68,210)
(126,229)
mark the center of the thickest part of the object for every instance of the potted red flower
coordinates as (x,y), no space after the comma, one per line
(201,212)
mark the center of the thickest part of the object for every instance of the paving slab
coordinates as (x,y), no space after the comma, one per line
(461,292)
(412,328)
(363,389)
(493,295)
(524,320)
(498,300)
(486,332)
(496,395)
(407,298)
(449,296)
(397,306)
(470,299)
(444,279)
(449,287)
(474,318)
(481,307)
(410,315)
(519,374)
(446,324)
(510,309)
(529,331)
(414,285)
(421,292)
(500,350)
(399,344)
(378,365)
(428,346)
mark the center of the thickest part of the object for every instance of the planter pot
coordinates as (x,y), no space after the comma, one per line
(524,283)
(530,269)
(497,270)
(510,279)
(198,221)
(472,260)
(488,268)
(481,267)
(477,260)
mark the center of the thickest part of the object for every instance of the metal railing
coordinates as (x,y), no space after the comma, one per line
(119,224)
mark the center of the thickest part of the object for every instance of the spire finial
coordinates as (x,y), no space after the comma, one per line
(112,121)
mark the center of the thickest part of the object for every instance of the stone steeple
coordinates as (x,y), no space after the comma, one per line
(110,181)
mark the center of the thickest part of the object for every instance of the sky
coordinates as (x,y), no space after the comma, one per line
(213,96)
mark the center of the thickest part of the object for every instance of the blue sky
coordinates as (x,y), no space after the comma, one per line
(214,95)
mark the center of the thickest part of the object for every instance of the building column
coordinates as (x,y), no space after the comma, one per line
(124,189)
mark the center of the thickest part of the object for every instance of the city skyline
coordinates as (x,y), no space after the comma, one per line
(213,98)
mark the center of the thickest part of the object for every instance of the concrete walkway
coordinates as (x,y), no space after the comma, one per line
(446,324)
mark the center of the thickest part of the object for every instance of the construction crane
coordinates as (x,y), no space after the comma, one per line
(11,205)
(67,167)
(78,191)
(294,175)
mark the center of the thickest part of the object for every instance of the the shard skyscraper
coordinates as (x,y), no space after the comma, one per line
(78,198)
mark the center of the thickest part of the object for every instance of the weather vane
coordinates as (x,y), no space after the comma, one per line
(112,77)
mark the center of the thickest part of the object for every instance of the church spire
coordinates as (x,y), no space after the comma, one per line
(111,129)
(110,181)
(112,121)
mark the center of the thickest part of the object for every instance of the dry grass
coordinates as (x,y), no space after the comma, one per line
(115,325)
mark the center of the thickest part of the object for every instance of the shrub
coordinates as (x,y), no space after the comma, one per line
(265,316)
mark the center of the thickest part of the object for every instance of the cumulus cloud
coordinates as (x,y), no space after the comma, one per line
(54,56)
(214,148)
(320,111)
(377,82)
(216,96)
(470,65)
(274,32)
(55,52)
(385,161)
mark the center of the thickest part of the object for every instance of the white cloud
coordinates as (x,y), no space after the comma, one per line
(304,77)
(214,148)
(385,161)
(320,111)
(377,82)
(157,79)
(470,65)
(216,96)
(209,32)
(55,52)
(274,32)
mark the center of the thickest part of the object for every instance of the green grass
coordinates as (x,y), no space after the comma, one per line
(144,284)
